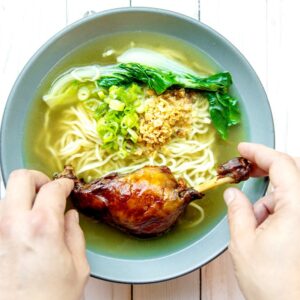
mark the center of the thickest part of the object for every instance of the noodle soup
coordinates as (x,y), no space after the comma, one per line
(68,135)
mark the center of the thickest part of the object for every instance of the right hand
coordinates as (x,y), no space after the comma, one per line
(265,238)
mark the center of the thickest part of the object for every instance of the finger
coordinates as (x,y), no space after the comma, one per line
(75,240)
(52,196)
(274,163)
(264,207)
(297,161)
(257,172)
(21,189)
(242,222)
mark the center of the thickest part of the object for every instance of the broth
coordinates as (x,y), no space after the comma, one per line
(101,238)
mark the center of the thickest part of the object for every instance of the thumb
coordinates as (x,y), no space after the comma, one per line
(75,241)
(241,218)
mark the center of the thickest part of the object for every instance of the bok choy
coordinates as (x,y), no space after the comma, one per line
(223,108)
(159,73)
(160,80)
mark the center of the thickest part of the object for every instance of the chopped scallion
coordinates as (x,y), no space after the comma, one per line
(133,135)
(92,104)
(83,93)
(116,105)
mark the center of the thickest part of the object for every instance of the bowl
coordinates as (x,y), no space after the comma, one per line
(254,103)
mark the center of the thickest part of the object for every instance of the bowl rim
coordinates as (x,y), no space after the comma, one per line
(223,246)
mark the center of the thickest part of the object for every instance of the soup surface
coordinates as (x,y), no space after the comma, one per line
(100,237)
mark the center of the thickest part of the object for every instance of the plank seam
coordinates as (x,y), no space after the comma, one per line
(200,284)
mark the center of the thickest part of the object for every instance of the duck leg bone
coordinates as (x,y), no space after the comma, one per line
(234,171)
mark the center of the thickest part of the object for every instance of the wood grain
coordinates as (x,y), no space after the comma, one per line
(99,289)
(186,7)
(78,9)
(243,23)
(287,58)
(274,72)
(218,280)
(183,288)
(22,31)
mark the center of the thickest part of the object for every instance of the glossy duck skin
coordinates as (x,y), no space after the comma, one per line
(146,202)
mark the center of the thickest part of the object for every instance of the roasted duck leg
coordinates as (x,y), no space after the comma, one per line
(146,202)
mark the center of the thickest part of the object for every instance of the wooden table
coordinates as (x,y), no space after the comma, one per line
(265,31)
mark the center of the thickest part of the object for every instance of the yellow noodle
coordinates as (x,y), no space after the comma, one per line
(191,158)
(201,213)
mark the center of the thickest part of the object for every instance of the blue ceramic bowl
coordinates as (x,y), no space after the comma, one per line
(254,103)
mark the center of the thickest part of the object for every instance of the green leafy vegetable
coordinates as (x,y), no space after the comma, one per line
(224,112)
(160,80)
(114,92)
(65,96)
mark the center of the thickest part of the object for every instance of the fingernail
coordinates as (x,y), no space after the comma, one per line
(229,196)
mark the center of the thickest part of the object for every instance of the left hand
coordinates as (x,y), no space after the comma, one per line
(42,251)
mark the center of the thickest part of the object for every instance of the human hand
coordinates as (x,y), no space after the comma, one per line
(42,251)
(265,238)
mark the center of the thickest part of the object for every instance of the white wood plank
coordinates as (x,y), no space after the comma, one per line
(220,272)
(22,31)
(274,72)
(78,9)
(99,289)
(187,7)
(289,72)
(183,288)
(24,27)
(244,24)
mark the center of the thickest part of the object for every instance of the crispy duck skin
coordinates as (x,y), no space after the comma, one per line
(146,202)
